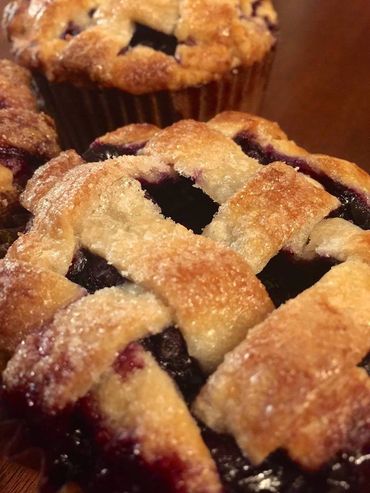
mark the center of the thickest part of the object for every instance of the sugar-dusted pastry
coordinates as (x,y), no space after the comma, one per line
(189,313)
(101,63)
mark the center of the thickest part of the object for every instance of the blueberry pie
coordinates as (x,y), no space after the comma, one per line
(27,140)
(93,58)
(189,312)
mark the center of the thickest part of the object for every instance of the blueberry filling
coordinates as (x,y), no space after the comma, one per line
(79,448)
(278,474)
(71,30)
(170,350)
(98,151)
(14,222)
(365,363)
(353,205)
(157,40)
(286,276)
(176,195)
(181,201)
(93,272)
(21,163)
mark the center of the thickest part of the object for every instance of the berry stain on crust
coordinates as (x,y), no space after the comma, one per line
(79,448)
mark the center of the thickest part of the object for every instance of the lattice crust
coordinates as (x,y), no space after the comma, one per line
(88,346)
(29,296)
(339,239)
(212,292)
(343,406)
(140,47)
(146,400)
(298,205)
(200,152)
(282,366)
(280,370)
(269,136)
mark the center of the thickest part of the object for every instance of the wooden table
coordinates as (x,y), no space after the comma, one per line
(319,93)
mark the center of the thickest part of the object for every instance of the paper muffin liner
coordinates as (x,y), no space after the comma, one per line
(82,114)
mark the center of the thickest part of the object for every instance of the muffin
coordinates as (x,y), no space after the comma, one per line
(27,140)
(100,65)
(196,319)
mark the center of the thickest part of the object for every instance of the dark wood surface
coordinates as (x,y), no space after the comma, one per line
(319,93)
(320,86)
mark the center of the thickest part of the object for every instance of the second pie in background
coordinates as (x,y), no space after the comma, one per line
(100,65)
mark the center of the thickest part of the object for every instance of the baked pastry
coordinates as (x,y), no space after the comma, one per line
(27,140)
(95,58)
(148,355)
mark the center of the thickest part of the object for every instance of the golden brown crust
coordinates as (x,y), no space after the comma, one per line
(203,154)
(212,292)
(212,39)
(135,133)
(47,176)
(29,132)
(75,338)
(15,87)
(146,402)
(291,383)
(22,129)
(268,134)
(338,239)
(336,418)
(297,349)
(291,205)
(29,296)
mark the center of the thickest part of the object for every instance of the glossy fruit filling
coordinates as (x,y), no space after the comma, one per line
(20,163)
(79,447)
(13,220)
(354,206)
(285,276)
(180,200)
(93,272)
(278,474)
(170,350)
(176,195)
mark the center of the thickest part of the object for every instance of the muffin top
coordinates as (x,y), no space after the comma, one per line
(140,47)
